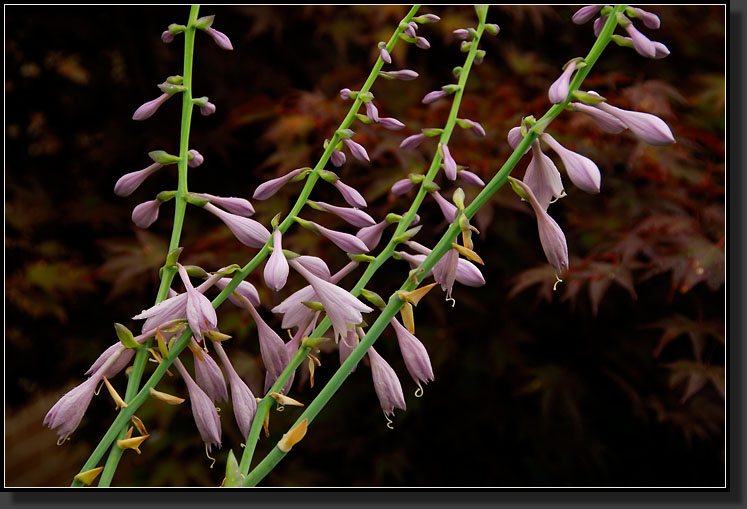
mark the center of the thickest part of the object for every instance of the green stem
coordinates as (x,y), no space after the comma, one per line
(141,357)
(394,304)
(142,396)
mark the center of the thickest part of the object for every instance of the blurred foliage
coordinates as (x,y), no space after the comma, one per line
(614,379)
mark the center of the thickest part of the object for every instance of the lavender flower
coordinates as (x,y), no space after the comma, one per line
(350,194)
(473,126)
(243,401)
(338,158)
(558,91)
(196,160)
(148,109)
(348,243)
(267,189)
(167,37)
(427,18)
(67,413)
(124,357)
(551,236)
(414,354)
(276,268)
(385,56)
(585,14)
(238,206)
(461,33)
(204,412)
(220,38)
(467,273)
(649,128)
(128,182)
(543,177)
(295,313)
(354,216)
(343,310)
(208,109)
(386,384)
(581,170)
(444,272)
(515,137)
(660,50)
(402,186)
(471,178)
(372,112)
(410,30)
(402,74)
(448,209)
(371,235)
(146,213)
(200,312)
(422,43)
(272,348)
(599,25)
(209,377)
(245,289)
(434,96)
(412,141)
(649,19)
(391,123)
(248,231)
(170,309)
(357,150)
(641,43)
(345,93)
(608,123)
(315,265)
(449,164)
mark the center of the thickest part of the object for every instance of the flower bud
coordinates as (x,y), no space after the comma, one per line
(167,37)
(234,205)
(146,213)
(412,141)
(586,13)
(391,123)
(386,384)
(434,96)
(208,109)
(422,43)
(269,188)
(403,74)
(148,109)
(220,38)
(357,149)
(337,158)
(196,159)
(449,164)
(129,182)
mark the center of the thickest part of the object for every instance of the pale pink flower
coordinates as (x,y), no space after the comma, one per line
(354,216)
(239,206)
(220,38)
(203,410)
(414,354)
(543,177)
(267,189)
(248,231)
(386,384)
(582,171)
(148,109)
(146,213)
(128,182)
(209,377)
(276,268)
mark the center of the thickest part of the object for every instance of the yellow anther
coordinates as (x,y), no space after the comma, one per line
(558,280)
(389,422)
(207,453)
(418,392)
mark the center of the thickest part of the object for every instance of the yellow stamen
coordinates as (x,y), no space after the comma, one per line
(453,302)
(167,398)
(558,280)
(207,453)
(414,296)
(132,443)
(158,359)
(117,399)
(88,476)
(418,392)
(285,400)
(293,436)
(408,317)
(389,422)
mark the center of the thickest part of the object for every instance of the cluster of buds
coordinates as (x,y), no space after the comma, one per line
(635,39)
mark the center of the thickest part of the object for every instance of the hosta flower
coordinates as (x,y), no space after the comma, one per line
(434,96)
(648,128)
(197,159)
(275,357)
(449,164)
(581,170)
(385,55)
(346,346)
(357,150)
(209,377)
(471,178)
(448,209)
(412,141)
(391,123)
(414,354)
(220,38)
(276,268)
(238,206)
(248,231)
(167,37)
(371,235)
(315,265)
(599,25)
(608,123)
(641,43)
(128,182)
(207,110)
(295,313)
(146,213)
(343,309)
(350,194)
(586,13)
(386,384)
(515,137)
(148,109)
(543,177)
(67,413)
(354,216)
(267,189)
(124,357)
(467,272)
(338,158)
(649,19)
(372,112)
(402,186)
(345,241)
(473,126)
(200,312)
(422,43)
(243,401)
(203,410)
(402,74)
(245,289)
(558,91)
(551,236)
(445,270)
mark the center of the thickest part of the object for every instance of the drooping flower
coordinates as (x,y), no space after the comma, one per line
(649,19)
(248,231)
(414,354)
(551,236)
(267,189)
(371,235)
(67,413)
(346,346)
(445,270)
(386,384)
(146,213)
(350,194)
(129,182)
(220,38)
(641,43)
(275,357)
(238,206)
(243,401)
(209,376)
(402,74)
(354,216)
(412,141)
(586,13)
(582,171)
(471,178)
(448,209)
(343,309)
(450,169)
(245,289)
(558,91)
(434,96)
(200,312)
(337,157)
(391,123)
(276,268)
(543,177)
(124,357)
(608,123)
(357,150)
(295,313)
(645,126)
(148,109)
(204,412)
(315,265)
(467,272)
(372,112)
(345,241)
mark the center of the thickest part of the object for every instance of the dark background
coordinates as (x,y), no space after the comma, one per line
(615,379)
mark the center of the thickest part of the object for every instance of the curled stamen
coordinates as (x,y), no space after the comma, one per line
(453,302)
(418,392)
(558,280)
(207,453)
(389,422)
(98,389)
(280,408)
